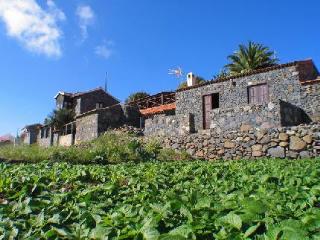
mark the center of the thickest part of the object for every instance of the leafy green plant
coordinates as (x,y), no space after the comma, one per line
(263,199)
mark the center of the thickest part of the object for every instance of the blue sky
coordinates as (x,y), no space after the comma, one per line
(47,46)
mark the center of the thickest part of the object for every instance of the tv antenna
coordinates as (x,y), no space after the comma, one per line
(106,83)
(176,71)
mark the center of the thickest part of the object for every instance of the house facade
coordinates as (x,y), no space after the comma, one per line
(283,95)
(83,102)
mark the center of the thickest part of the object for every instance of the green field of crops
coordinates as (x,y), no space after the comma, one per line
(265,199)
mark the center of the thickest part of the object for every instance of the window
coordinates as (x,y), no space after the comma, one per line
(258,94)
(215,100)
(99,105)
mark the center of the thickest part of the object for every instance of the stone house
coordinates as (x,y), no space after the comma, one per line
(83,102)
(95,112)
(30,133)
(282,95)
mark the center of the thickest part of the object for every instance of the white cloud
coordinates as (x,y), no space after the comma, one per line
(86,17)
(104,50)
(36,28)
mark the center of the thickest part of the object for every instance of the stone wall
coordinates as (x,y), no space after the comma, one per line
(88,101)
(87,128)
(90,125)
(310,100)
(286,142)
(66,140)
(283,85)
(162,125)
(262,116)
(43,140)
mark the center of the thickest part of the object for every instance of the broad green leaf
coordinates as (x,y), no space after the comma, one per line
(251,230)
(233,220)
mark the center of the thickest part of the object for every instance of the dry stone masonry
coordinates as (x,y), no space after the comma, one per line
(249,143)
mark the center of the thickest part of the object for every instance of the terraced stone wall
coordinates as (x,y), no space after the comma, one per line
(250,143)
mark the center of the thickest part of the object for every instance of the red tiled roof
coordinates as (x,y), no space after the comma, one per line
(6,138)
(158,110)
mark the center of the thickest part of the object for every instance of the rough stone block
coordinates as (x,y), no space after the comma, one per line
(277,152)
(297,144)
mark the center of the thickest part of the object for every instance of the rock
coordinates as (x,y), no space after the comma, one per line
(245,127)
(247,139)
(277,152)
(257,154)
(229,144)
(283,137)
(265,140)
(308,139)
(200,154)
(283,144)
(292,154)
(260,134)
(257,147)
(304,154)
(297,144)
(191,152)
(220,152)
(273,144)
(175,146)
(290,132)
(239,139)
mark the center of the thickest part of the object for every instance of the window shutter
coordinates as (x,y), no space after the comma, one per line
(259,94)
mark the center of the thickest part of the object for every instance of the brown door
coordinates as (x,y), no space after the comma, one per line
(207,107)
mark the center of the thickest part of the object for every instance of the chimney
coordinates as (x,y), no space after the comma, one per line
(191,79)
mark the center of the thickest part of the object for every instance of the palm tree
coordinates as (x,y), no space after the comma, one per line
(251,57)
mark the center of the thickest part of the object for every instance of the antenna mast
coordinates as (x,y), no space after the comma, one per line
(106,83)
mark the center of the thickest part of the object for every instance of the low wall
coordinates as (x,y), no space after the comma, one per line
(286,142)
(66,140)
(44,142)
(163,125)
(87,128)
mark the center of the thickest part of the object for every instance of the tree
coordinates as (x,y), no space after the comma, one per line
(135,96)
(184,84)
(251,57)
(59,118)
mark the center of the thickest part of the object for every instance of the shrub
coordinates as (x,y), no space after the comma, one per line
(31,153)
(110,148)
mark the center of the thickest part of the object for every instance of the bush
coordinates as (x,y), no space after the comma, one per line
(111,148)
(31,153)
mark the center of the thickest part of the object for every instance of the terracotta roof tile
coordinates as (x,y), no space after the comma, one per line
(158,110)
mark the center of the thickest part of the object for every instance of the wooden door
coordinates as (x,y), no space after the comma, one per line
(207,107)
